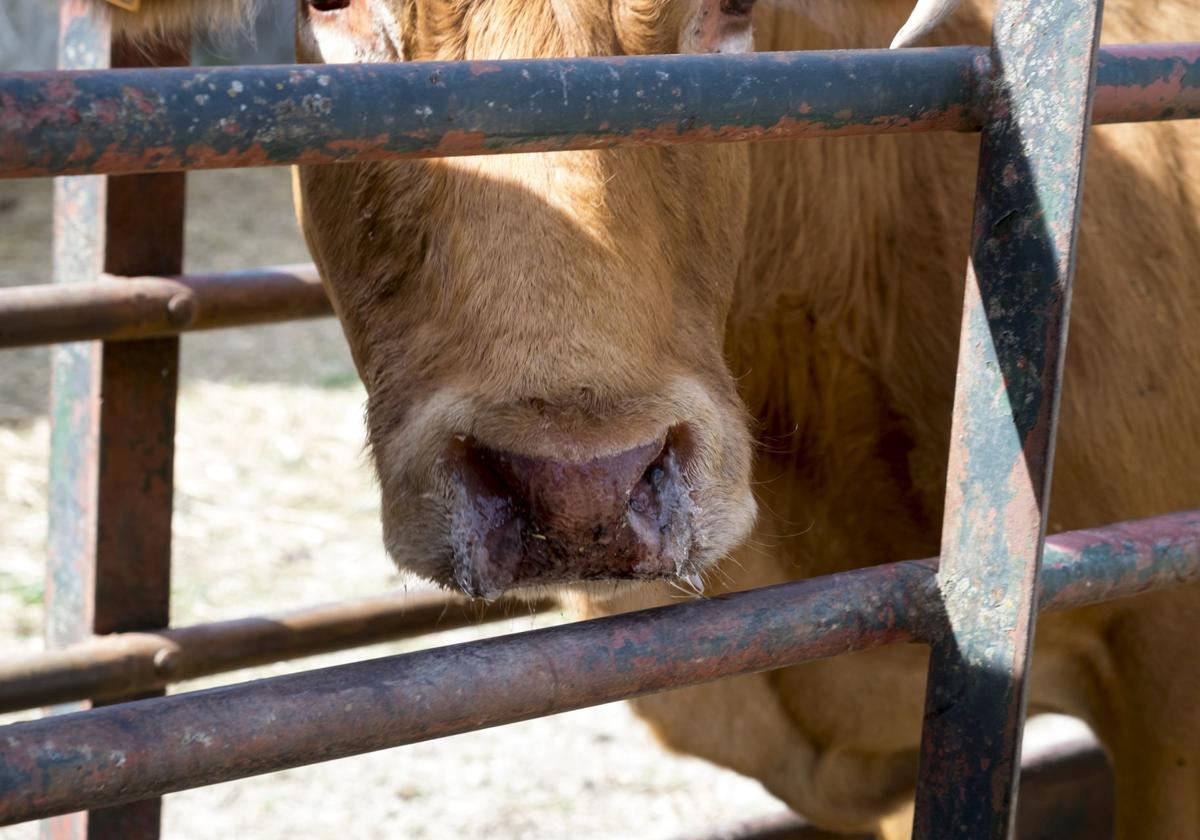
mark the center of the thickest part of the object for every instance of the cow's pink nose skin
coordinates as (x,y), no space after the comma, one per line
(521,521)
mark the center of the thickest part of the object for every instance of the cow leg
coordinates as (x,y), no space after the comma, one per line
(898,824)
(1155,736)
(1158,789)
(740,723)
(1146,710)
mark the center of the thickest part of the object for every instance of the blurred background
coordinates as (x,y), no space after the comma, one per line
(276,507)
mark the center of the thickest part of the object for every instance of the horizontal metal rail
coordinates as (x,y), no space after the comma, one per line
(132,751)
(125,121)
(113,309)
(126,664)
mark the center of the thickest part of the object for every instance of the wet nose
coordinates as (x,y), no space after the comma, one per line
(519,520)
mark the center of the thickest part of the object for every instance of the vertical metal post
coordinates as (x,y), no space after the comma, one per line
(112,411)
(1005,411)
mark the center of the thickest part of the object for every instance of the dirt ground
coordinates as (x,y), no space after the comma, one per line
(276,508)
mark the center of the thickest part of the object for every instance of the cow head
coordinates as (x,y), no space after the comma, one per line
(540,335)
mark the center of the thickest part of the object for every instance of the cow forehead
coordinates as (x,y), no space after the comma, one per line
(392,30)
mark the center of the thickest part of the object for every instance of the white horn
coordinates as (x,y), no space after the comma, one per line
(927,15)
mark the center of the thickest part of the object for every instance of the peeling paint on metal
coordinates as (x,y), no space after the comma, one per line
(1005,410)
(167,119)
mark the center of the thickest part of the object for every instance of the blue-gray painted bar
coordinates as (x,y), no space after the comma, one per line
(214,118)
(1006,399)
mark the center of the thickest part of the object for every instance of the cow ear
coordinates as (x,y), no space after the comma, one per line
(719,26)
(142,19)
(351,32)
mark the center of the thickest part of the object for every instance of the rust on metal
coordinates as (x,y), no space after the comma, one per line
(120,309)
(124,664)
(112,409)
(120,753)
(1011,347)
(1078,569)
(1117,561)
(1147,82)
(128,752)
(213,118)
(252,116)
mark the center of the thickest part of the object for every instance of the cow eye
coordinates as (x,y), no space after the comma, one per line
(328,5)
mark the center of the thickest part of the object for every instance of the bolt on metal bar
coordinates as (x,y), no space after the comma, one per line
(1010,364)
(124,664)
(220,118)
(151,747)
(124,308)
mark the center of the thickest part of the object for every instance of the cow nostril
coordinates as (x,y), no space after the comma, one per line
(654,476)
(519,519)
(655,488)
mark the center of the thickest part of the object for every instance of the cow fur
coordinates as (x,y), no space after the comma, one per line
(835,270)
(171,17)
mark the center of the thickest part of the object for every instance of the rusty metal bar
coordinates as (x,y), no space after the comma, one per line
(1146,82)
(112,411)
(1099,564)
(1078,568)
(1010,362)
(120,753)
(135,750)
(140,121)
(123,664)
(120,309)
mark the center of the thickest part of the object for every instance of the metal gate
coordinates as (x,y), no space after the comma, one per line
(120,301)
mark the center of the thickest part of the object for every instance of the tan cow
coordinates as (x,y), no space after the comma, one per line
(569,356)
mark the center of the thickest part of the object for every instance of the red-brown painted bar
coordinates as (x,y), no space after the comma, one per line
(112,412)
(120,309)
(220,118)
(151,747)
(124,664)
(1078,569)
(128,752)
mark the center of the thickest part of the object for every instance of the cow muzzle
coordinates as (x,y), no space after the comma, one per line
(518,521)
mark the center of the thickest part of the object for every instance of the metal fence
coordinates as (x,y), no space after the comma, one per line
(120,297)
